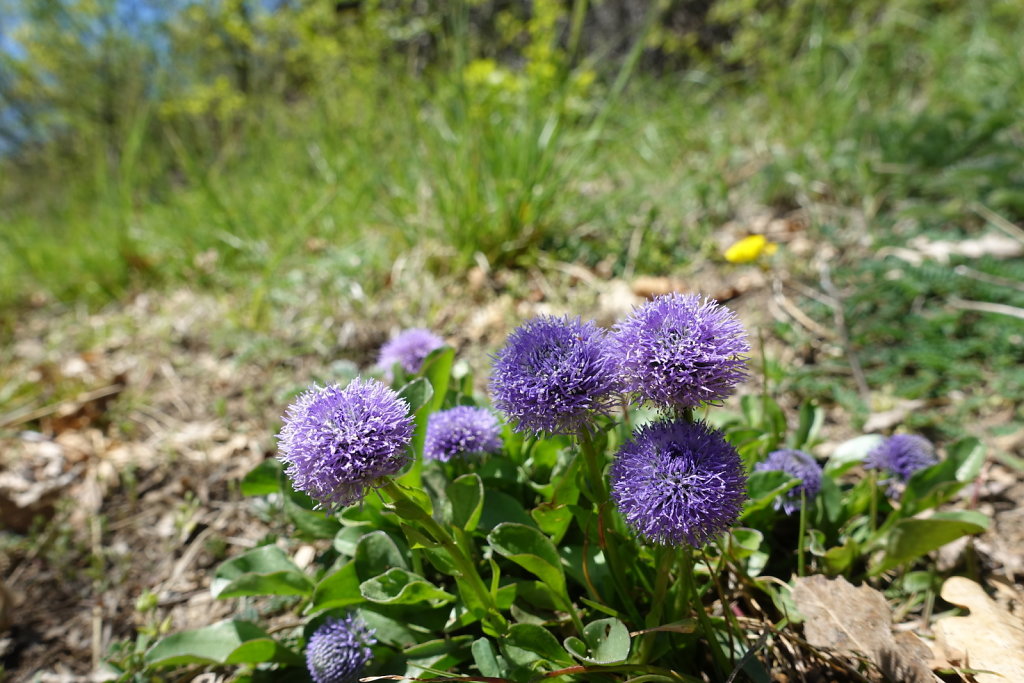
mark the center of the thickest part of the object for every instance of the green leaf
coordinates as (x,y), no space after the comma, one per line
(377,552)
(393,628)
(830,498)
(531,550)
(340,588)
(315,523)
(969,455)
(486,658)
(911,538)
(500,507)
(537,640)
(417,393)
(401,587)
(765,487)
(552,519)
(265,570)
(226,642)
(932,486)
(812,417)
(263,479)
(466,494)
(840,558)
(437,368)
(605,641)
(851,453)
(538,594)
(442,654)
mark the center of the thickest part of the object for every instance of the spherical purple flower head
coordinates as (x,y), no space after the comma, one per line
(677,481)
(409,348)
(339,649)
(902,455)
(798,465)
(460,432)
(678,351)
(337,441)
(553,375)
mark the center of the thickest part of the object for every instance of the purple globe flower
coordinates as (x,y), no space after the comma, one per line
(902,455)
(337,441)
(461,431)
(798,465)
(409,348)
(339,650)
(678,351)
(677,481)
(553,375)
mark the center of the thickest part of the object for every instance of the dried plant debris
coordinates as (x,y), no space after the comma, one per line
(990,640)
(857,620)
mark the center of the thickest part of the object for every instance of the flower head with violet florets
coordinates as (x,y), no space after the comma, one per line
(460,432)
(798,465)
(677,481)
(678,351)
(902,455)
(408,348)
(554,375)
(336,442)
(339,650)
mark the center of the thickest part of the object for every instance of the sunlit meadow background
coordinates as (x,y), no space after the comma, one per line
(249,148)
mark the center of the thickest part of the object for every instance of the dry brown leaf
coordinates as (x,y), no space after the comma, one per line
(887,419)
(850,619)
(989,639)
(920,249)
(650,286)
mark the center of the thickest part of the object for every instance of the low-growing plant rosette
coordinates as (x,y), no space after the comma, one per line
(566,535)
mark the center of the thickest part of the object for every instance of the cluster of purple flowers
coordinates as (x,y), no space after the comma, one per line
(339,650)
(679,351)
(335,442)
(901,455)
(675,481)
(409,349)
(461,431)
(554,375)
(798,465)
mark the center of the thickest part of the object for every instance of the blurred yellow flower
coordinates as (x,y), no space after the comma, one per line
(749,249)
(479,71)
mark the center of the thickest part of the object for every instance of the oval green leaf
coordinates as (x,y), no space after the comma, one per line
(226,642)
(531,550)
(400,587)
(265,570)
(911,538)
(605,641)
(466,494)
(338,589)
(537,640)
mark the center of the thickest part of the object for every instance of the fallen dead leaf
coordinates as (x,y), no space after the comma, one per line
(850,619)
(887,419)
(988,639)
(920,249)
(650,286)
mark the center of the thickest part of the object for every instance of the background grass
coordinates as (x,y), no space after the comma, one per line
(883,121)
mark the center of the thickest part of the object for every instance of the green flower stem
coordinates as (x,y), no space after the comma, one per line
(605,532)
(874,501)
(800,566)
(663,567)
(721,663)
(410,511)
(597,484)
